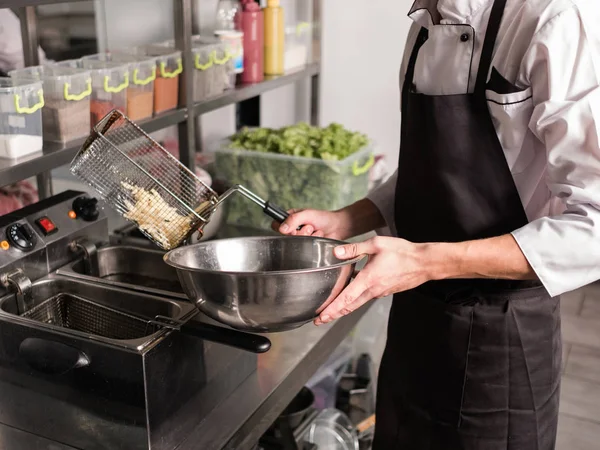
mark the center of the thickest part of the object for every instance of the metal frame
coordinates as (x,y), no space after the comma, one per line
(55,155)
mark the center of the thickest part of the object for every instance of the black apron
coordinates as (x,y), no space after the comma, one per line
(469,364)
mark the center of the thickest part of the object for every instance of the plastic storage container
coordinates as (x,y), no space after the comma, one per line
(291,182)
(110,81)
(298,40)
(21,103)
(142,73)
(213,67)
(67,91)
(169,66)
(72,63)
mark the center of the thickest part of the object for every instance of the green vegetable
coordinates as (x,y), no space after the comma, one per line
(295,167)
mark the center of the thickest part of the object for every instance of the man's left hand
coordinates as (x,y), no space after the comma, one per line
(394,265)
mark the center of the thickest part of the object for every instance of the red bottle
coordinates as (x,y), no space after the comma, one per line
(252,25)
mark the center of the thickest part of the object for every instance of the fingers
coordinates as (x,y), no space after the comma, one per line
(353,297)
(297,219)
(350,251)
(277,226)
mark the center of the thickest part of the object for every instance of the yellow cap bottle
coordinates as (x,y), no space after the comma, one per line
(274,38)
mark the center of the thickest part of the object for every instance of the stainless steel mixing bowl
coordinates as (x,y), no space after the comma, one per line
(262,284)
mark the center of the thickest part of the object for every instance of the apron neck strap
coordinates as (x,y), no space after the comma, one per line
(488,45)
(412,61)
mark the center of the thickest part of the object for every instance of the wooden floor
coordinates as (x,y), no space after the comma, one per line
(579,425)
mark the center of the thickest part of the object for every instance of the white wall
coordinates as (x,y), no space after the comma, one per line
(362,50)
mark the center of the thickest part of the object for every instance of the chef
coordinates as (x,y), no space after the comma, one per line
(495,208)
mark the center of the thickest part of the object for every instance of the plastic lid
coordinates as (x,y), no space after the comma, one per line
(250,6)
(272,3)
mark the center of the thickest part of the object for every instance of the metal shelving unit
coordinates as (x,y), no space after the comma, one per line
(55,155)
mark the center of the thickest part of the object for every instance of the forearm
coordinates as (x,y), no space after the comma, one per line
(498,258)
(360,218)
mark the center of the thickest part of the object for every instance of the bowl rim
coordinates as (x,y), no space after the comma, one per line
(177,266)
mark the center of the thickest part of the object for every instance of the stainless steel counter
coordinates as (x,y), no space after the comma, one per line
(239,421)
(13,439)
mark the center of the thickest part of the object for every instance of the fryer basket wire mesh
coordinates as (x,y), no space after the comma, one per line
(76,313)
(143,181)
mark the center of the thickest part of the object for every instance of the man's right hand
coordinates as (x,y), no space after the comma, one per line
(356,219)
(316,223)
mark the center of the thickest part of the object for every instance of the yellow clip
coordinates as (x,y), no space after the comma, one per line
(77,97)
(300,27)
(223,60)
(145,81)
(116,89)
(34,108)
(165,74)
(357,170)
(209,64)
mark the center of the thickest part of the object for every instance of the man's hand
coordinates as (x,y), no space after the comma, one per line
(395,265)
(358,218)
(328,224)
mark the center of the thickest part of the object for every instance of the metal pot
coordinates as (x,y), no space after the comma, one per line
(262,284)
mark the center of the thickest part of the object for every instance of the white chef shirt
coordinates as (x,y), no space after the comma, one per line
(549,127)
(11,43)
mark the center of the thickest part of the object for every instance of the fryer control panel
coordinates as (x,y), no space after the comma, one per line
(36,238)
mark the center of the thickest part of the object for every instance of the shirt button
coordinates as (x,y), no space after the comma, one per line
(464,37)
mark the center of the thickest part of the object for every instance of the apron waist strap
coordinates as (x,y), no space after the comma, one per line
(465,289)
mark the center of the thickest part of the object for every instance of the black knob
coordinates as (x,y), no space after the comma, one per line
(86,208)
(21,236)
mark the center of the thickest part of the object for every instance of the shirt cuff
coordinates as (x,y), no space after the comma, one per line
(562,250)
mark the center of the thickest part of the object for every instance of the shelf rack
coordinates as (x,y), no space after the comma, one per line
(55,155)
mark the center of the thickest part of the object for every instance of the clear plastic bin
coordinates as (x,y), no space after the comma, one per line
(169,66)
(290,182)
(298,40)
(213,67)
(142,73)
(67,91)
(21,103)
(110,81)
(233,42)
(72,63)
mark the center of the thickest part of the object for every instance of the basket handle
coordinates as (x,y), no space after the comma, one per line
(164,73)
(24,110)
(358,170)
(115,89)
(144,81)
(208,65)
(77,97)
(301,27)
(223,60)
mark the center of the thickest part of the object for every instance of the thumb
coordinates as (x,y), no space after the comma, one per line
(350,251)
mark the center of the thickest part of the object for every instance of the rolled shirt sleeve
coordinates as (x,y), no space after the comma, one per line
(563,63)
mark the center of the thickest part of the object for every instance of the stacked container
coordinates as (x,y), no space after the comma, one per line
(213,67)
(169,66)
(21,103)
(110,81)
(298,40)
(67,91)
(140,91)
